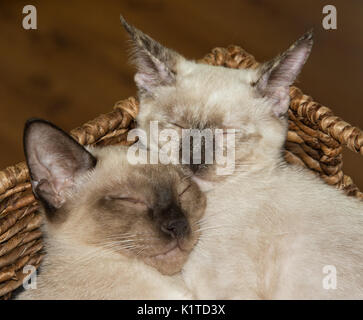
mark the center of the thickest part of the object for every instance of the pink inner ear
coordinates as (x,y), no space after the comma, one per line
(51,177)
(281,98)
(148,78)
(281,72)
(48,192)
(144,81)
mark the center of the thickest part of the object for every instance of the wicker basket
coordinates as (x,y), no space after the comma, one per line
(315,139)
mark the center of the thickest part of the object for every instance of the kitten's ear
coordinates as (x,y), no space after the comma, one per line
(276,76)
(155,64)
(54,160)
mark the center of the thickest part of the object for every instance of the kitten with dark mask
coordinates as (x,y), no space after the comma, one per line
(113,230)
(271,230)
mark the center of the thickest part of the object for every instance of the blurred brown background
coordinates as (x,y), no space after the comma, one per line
(75,67)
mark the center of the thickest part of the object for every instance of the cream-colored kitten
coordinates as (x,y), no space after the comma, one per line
(113,230)
(278,232)
(271,230)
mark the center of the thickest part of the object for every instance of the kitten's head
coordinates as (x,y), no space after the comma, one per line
(97,198)
(180,93)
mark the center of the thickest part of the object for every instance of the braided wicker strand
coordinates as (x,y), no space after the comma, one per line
(323,117)
(315,140)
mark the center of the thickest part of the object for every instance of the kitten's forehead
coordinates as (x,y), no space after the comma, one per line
(213,78)
(204,96)
(115,174)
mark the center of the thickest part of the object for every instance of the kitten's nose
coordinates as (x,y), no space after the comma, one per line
(176,228)
(194,167)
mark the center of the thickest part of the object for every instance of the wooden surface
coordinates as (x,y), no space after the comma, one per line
(75,66)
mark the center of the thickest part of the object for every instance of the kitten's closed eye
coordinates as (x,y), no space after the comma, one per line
(185,190)
(225,130)
(127,200)
(177,125)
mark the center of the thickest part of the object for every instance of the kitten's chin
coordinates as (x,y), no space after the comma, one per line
(205,177)
(170,262)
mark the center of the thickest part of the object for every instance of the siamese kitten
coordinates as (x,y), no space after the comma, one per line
(271,230)
(113,230)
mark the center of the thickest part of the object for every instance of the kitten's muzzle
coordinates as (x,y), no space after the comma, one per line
(177,228)
(170,217)
(196,166)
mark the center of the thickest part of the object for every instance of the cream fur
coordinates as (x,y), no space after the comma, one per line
(79,272)
(268,235)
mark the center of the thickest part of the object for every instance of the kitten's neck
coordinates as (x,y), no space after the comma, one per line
(86,272)
(244,173)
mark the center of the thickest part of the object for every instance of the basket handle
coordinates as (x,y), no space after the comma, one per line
(324,118)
